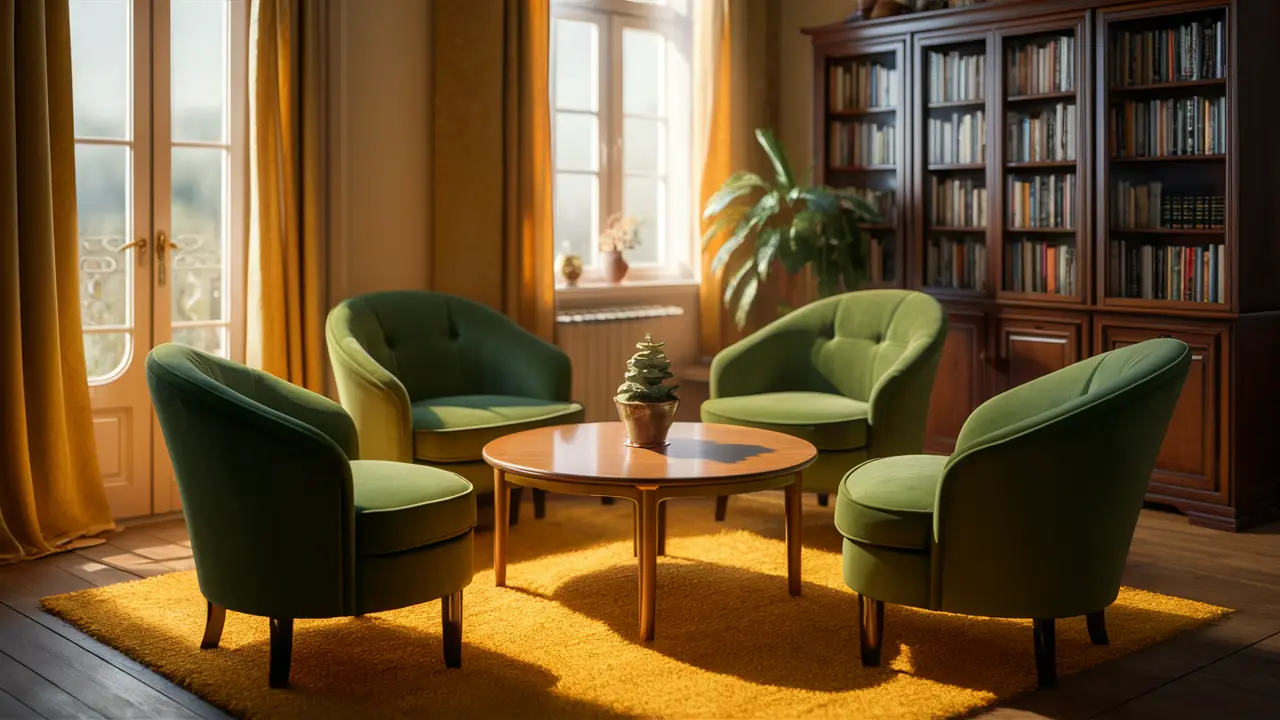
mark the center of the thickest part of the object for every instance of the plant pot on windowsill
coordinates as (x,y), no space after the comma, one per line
(646,406)
(615,266)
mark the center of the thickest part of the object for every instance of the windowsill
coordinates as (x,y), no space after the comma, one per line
(666,291)
(624,286)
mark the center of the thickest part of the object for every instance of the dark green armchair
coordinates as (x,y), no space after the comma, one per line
(1031,516)
(431,378)
(286,523)
(851,374)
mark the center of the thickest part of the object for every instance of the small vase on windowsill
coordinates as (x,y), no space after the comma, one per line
(621,233)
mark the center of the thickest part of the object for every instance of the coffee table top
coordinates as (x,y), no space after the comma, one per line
(696,451)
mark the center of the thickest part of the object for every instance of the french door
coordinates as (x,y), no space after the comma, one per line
(161,185)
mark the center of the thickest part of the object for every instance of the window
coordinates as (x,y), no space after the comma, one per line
(621,123)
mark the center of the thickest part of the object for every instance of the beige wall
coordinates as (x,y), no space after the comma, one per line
(795,114)
(381,128)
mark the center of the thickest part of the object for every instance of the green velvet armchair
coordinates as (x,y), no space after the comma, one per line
(1031,516)
(286,523)
(431,378)
(851,374)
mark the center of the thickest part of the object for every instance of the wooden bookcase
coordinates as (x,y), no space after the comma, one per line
(1091,225)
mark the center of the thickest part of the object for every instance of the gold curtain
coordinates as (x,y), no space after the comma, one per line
(713,153)
(529,278)
(50,487)
(288,181)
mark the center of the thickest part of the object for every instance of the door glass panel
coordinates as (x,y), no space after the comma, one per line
(199,70)
(642,198)
(102,199)
(643,67)
(105,353)
(209,338)
(199,208)
(100,66)
(576,203)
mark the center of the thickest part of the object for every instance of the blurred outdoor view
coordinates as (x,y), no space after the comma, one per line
(114,194)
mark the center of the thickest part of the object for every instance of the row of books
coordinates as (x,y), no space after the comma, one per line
(1160,128)
(881,258)
(1045,67)
(955,264)
(1193,51)
(956,202)
(861,85)
(954,77)
(1039,266)
(1047,135)
(1042,201)
(960,138)
(1144,205)
(884,200)
(1167,272)
(862,143)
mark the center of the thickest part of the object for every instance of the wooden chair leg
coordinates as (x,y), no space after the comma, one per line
(516,493)
(215,617)
(1046,661)
(1097,622)
(451,627)
(822,499)
(871,614)
(607,500)
(539,504)
(722,505)
(281,652)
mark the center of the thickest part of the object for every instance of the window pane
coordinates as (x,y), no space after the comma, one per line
(209,339)
(104,353)
(199,206)
(643,61)
(643,145)
(100,64)
(577,200)
(102,199)
(577,142)
(198,74)
(642,198)
(577,58)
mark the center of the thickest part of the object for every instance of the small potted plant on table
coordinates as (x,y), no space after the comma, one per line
(646,406)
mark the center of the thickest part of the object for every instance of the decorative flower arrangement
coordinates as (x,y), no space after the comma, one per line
(621,232)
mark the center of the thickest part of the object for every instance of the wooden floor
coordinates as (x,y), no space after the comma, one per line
(1230,669)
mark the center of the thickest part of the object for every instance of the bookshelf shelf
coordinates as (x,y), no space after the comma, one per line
(1167,158)
(861,168)
(1168,86)
(1042,164)
(1041,97)
(954,229)
(1053,231)
(863,112)
(1169,231)
(954,167)
(956,104)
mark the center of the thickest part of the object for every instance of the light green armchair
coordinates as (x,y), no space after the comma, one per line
(431,378)
(1033,514)
(286,523)
(851,374)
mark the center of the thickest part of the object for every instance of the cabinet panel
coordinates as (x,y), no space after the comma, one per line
(1188,465)
(960,386)
(1030,348)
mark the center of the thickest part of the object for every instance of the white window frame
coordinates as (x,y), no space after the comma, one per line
(677,249)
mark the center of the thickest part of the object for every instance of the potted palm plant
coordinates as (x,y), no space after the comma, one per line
(794,224)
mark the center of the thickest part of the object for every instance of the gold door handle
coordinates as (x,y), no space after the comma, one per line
(140,245)
(163,244)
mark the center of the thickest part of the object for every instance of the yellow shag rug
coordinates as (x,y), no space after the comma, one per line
(561,641)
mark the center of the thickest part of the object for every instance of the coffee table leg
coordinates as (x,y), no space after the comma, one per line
(648,560)
(793,506)
(662,528)
(501,518)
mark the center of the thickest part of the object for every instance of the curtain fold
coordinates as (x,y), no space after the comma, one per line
(713,153)
(529,277)
(51,489)
(288,185)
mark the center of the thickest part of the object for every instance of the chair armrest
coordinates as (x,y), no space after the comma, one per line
(376,400)
(898,406)
(311,408)
(760,362)
(516,362)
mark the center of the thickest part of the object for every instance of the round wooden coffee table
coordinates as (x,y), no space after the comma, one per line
(700,460)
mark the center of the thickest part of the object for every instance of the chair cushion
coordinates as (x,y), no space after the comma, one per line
(456,428)
(889,501)
(401,506)
(829,421)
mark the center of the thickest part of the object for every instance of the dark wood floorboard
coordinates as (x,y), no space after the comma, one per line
(1230,668)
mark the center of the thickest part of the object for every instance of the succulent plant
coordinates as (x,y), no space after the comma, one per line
(645,372)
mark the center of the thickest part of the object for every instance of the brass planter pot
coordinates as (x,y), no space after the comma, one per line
(647,423)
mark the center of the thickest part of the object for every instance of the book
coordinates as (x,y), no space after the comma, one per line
(956,77)
(1163,128)
(1040,266)
(1041,136)
(861,85)
(862,143)
(959,138)
(955,263)
(1166,272)
(957,202)
(1194,50)
(1043,66)
(1041,201)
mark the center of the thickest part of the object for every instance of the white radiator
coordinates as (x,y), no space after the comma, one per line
(599,341)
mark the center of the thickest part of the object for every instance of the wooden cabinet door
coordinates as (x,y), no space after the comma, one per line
(961,383)
(1188,465)
(1030,347)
